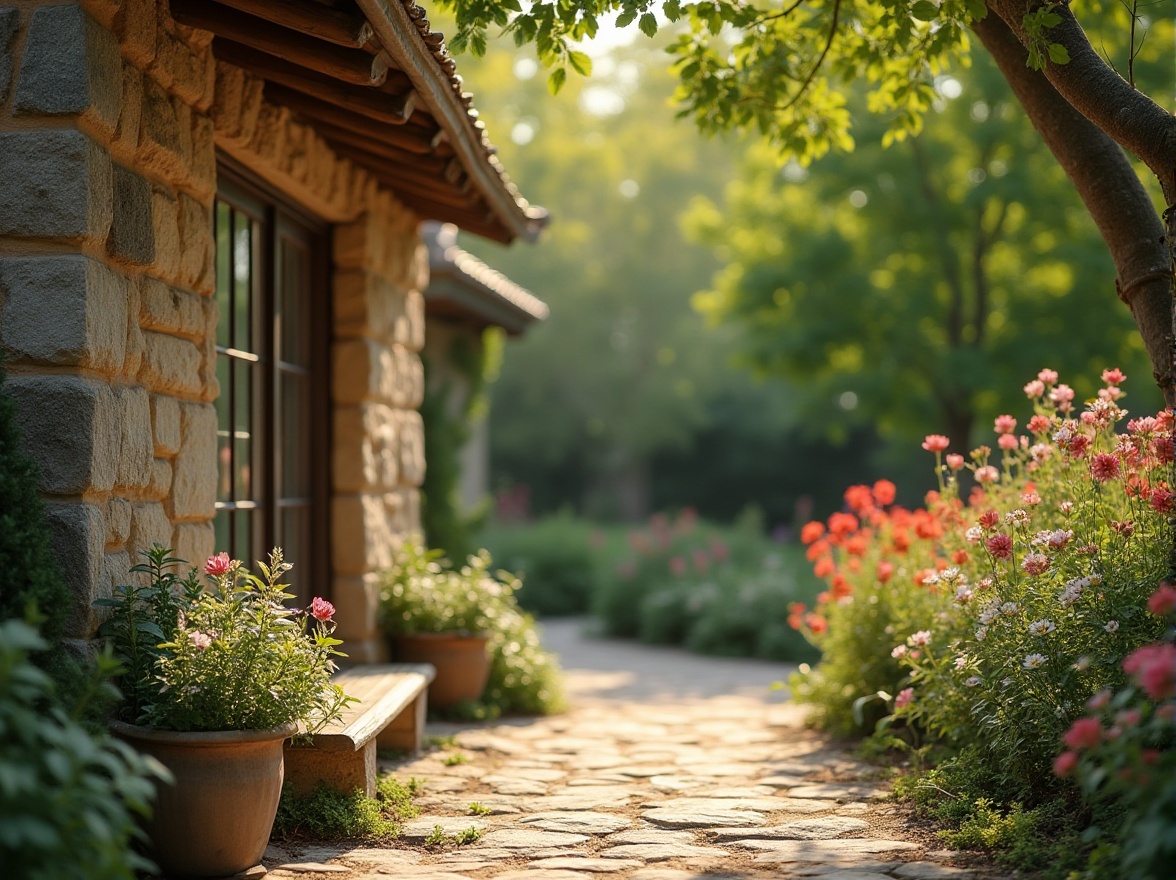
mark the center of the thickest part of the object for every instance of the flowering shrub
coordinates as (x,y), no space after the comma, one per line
(993,619)
(231,656)
(1124,750)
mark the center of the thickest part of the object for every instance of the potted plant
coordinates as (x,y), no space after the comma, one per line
(217,677)
(434,613)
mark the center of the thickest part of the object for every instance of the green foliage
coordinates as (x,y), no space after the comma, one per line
(69,800)
(330,815)
(233,657)
(32,577)
(477,809)
(423,592)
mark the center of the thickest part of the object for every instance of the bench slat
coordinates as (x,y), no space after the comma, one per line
(383,691)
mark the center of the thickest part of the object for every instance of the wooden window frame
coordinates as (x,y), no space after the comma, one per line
(274,215)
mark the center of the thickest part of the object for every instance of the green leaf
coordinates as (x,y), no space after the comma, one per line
(672,10)
(648,24)
(581,63)
(626,18)
(556,80)
(924,10)
(1058,54)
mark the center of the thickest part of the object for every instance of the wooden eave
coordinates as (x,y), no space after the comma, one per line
(379,87)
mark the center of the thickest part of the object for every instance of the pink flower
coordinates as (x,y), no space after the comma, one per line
(987,474)
(1035,563)
(1007,442)
(1099,700)
(1154,669)
(1104,466)
(954,461)
(1163,600)
(1113,376)
(1000,545)
(989,519)
(1005,424)
(1039,424)
(218,565)
(935,443)
(921,639)
(1036,388)
(1079,445)
(200,641)
(1065,763)
(322,609)
(1085,733)
(1127,718)
(1163,449)
(1161,500)
(1048,376)
(904,698)
(1125,528)
(1063,397)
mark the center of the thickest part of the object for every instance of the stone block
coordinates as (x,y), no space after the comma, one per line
(171,364)
(197,257)
(165,222)
(65,309)
(363,371)
(183,69)
(409,387)
(365,449)
(409,521)
(193,542)
(171,310)
(160,136)
(78,534)
(9,26)
(57,184)
(149,526)
(136,449)
(132,231)
(203,166)
(135,344)
(412,448)
(410,327)
(116,572)
(356,599)
(126,132)
(102,11)
(362,539)
(137,25)
(161,479)
(69,427)
(194,486)
(70,65)
(118,521)
(165,425)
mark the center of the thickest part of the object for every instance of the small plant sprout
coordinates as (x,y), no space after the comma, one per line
(455,759)
(477,809)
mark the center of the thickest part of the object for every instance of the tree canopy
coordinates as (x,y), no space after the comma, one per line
(784,68)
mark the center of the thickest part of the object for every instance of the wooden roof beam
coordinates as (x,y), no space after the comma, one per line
(353,66)
(338,26)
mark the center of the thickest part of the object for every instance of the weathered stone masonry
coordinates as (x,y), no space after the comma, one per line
(111,117)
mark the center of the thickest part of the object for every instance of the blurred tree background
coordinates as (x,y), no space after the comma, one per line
(728,332)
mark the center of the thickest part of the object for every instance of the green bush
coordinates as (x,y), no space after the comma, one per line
(68,799)
(558,559)
(327,815)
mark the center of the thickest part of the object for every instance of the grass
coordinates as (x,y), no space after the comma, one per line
(330,815)
(477,809)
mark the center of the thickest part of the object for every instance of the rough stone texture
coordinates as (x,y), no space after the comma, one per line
(63,310)
(928,871)
(827,828)
(701,817)
(194,485)
(581,822)
(57,184)
(9,23)
(662,852)
(823,850)
(70,65)
(839,791)
(118,521)
(524,838)
(165,425)
(78,535)
(135,462)
(132,233)
(193,542)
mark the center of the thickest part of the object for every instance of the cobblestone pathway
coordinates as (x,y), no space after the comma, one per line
(667,767)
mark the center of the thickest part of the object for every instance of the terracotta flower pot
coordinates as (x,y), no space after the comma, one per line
(216,818)
(461,661)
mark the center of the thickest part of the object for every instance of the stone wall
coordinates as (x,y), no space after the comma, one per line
(110,121)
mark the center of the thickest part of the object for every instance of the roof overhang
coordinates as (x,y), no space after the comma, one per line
(462,288)
(378,85)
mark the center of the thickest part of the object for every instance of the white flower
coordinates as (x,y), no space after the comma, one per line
(1066,507)
(1033,661)
(921,638)
(963,594)
(974,681)
(1017,517)
(1041,627)
(1009,608)
(199,640)
(931,579)
(961,661)
(989,614)
(974,535)
(981,633)
(1059,538)
(1112,626)
(1040,451)
(899,651)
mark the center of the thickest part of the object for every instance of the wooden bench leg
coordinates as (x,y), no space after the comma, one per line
(407,729)
(345,771)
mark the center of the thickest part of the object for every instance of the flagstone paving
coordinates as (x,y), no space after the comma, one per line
(667,766)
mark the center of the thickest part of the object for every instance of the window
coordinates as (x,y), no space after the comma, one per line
(273,408)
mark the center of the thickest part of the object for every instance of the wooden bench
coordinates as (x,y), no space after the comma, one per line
(390,714)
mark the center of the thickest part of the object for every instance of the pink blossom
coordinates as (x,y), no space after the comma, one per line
(935,443)
(322,609)
(1063,397)
(989,519)
(1154,669)
(1007,442)
(1099,700)
(1000,545)
(1036,388)
(1085,733)
(987,474)
(1039,424)
(1064,764)
(200,641)
(1005,424)
(1161,500)
(1144,425)
(1164,451)
(899,652)
(1035,563)
(218,565)
(921,639)
(1127,718)
(1104,467)
(1079,445)
(954,461)
(1113,376)
(1048,376)
(1163,601)
(904,698)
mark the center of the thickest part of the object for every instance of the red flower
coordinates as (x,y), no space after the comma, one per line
(1113,376)
(1163,600)
(322,609)
(1039,424)
(816,623)
(989,519)
(843,523)
(884,492)
(935,443)
(1104,467)
(218,565)
(1154,669)
(1065,763)
(1079,444)
(824,567)
(1161,500)
(811,532)
(1162,449)
(859,498)
(1085,733)
(885,571)
(1000,545)
(959,557)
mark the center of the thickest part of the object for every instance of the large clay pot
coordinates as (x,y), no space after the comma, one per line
(216,818)
(462,664)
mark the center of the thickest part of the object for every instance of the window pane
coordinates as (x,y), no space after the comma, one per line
(224,531)
(223,275)
(294,436)
(243,537)
(294,540)
(293,313)
(243,282)
(243,374)
(224,430)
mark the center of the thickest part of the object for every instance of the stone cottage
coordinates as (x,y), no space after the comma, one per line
(210,276)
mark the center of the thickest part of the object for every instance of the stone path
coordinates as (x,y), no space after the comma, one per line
(667,767)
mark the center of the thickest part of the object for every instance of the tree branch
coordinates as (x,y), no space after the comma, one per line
(1108,185)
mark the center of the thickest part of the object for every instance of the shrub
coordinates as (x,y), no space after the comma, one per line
(327,815)
(68,799)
